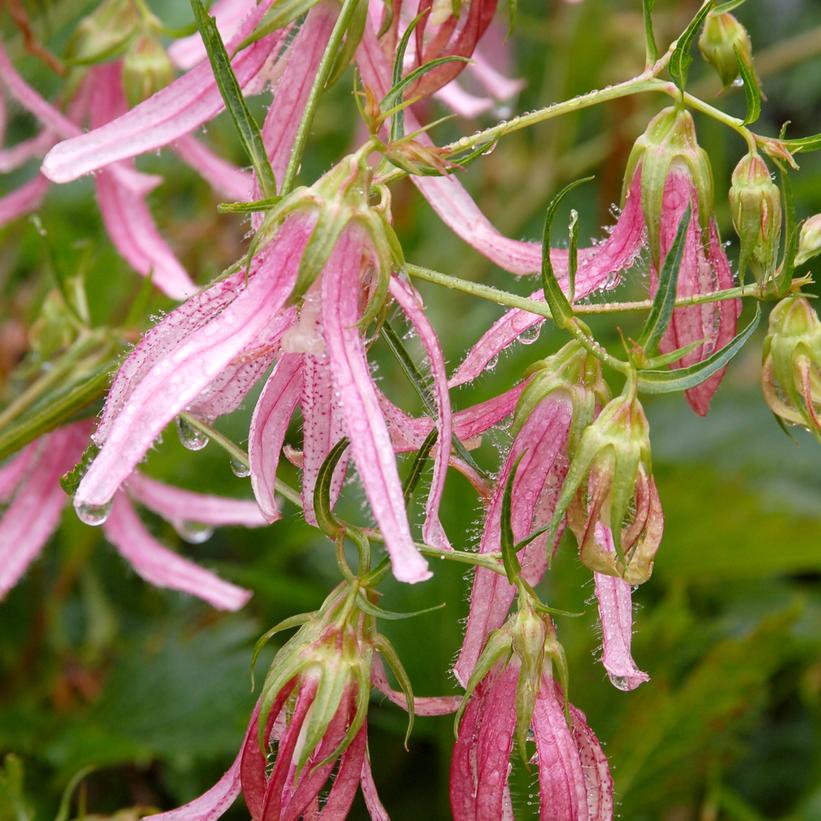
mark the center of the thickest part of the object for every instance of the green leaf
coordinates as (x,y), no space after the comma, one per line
(752,90)
(510,560)
(371,609)
(353,36)
(418,466)
(245,124)
(723,8)
(681,58)
(681,379)
(651,49)
(282,14)
(560,308)
(398,119)
(323,507)
(13,803)
(572,255)
(796,146)
(662,309)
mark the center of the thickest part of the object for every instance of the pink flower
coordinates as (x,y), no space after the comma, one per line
(30,484)
(574,777)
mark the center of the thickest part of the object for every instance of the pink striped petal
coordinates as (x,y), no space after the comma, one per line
(422,705)
(481,755)
(543,441)
(16,469)
(494,82)
(229,14)
(180,377)
(411,304)
(34,512)
(373,805)
(322,428)
(172,112)
(162,567)
(177,505)
(269,424)
(224,177)
(562,782)
(346,780)
(595,769)
(370,441)
(462,102)
(615,598)
(23,200)
(17,155)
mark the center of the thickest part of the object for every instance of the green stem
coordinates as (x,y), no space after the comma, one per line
(326,65)
(238,454)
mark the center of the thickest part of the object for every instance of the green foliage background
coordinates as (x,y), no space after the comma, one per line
(152,689)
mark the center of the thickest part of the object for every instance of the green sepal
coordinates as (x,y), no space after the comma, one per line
(279,675)
(398,122)
(248,207)
(373,610)
(70,480)
(681,379)
(353,37)
(752,89)
(235,104)
(800,144)
(285,624)
(681,59)
(791,233)
(280,15)
(391,658)
(411,77)
(560,308)
(572,254)
(662,309)
(510,560)
(420,459)
(673,356)
(333,680)
(323,509)
(723,8)
(331,221)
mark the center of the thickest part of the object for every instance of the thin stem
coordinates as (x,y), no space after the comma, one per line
(326,65)
(238,454)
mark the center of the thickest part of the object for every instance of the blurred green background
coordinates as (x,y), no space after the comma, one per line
(152,689)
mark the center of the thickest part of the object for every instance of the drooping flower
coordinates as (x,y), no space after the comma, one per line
(30,484)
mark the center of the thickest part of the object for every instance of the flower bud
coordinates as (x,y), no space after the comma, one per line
(103,33)
(574,371)
(146,69)
(809,240)
(755,207)
(791,372)
(668,144)
(721,38)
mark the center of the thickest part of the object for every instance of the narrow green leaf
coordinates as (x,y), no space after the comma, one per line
(508,541)
(235,104)
(651,49)
(560,308)
(282,14)
(681,58)
(398,119)
(391,615)
(353,36)
(323,507)
(796,146)
(418,466)
(752,90)
(64,810)
(681,379)
(572,255)
(723,8)
(659,316)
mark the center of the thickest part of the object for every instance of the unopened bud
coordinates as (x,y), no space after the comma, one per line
(791,372)
(146,69)
(104,32)
(669,145)
(809,240)
(722,38)
(755,207)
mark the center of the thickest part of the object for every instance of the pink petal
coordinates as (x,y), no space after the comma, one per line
(495,83)
(370,442)
(179,378)
(16,469)
(162,567)
(172,112)
(411,303)
(462,102)
(595,769)
(543,441)
(23,200)
(17,155)
(562,782)
(229,14)
(224,177)
(322,428)
(177,505)
(269,424)
(34,512)
(615,597)
(422,705)
(481,755)
(374,806)
(347,779)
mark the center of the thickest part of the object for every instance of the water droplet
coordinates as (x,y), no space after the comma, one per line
(194,532)
(492,363)
(529,336)
(239,469)
(738,82)
(190,437)
(93,515)
(620,682)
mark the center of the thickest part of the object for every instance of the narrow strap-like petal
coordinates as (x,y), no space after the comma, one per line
(17,155)
(15,470)
(411,304)
(223,176)
(422,705)
(176,380)
(615,598)
(175,110)
(161,566)
(347,779)
(595,769)
(269,424)
(23,200)
(177,505)
(374,806)
(370,441)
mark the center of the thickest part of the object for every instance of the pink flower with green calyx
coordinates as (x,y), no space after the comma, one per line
(755,208)
(610,483)
(518,692)
(724,43)
(791,373)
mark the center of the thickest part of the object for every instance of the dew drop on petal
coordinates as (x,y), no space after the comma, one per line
(620,682)
(93,515)
(193,532)
(191,438)
(529,336)
(239,469)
